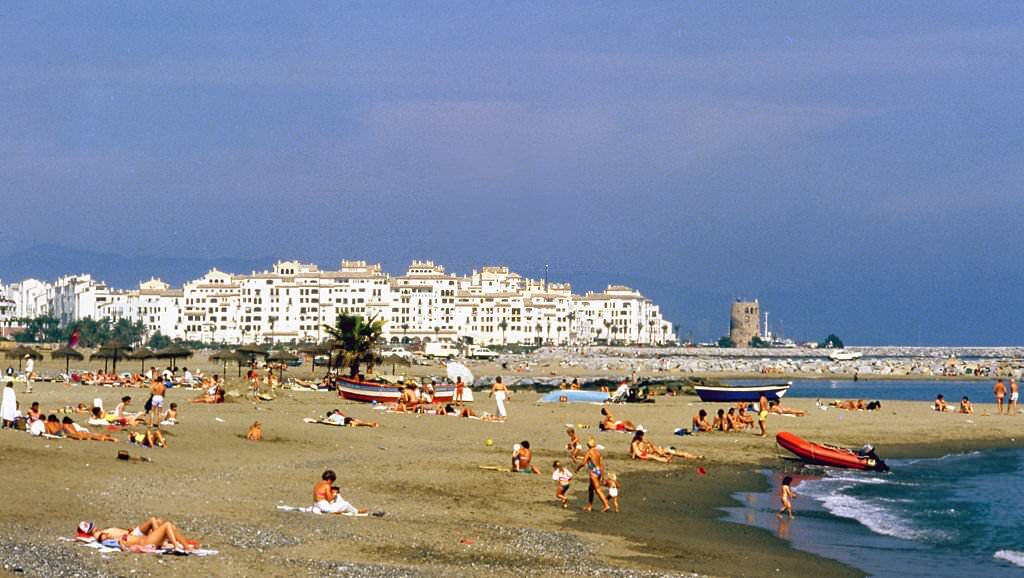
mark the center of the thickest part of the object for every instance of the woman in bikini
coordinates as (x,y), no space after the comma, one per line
(594,463)
(609,423)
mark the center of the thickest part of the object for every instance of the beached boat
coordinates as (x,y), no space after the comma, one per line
(845,355)
(575,396)
(375,391)
(735,393)
(828,455)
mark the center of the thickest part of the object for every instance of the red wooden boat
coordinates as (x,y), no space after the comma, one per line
(370,391)
(828,455)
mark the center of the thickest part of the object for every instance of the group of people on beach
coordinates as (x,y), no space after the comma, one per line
(1006,400)
(152,534)
(736,419)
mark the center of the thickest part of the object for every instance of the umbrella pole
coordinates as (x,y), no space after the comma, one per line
(67,365)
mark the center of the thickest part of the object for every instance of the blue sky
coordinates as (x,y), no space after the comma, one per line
(857,166)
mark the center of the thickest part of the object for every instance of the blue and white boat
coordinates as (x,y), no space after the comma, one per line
(737,393)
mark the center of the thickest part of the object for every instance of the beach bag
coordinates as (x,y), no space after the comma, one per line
(149,403)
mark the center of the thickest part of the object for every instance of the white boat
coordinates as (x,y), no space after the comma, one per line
(844,355)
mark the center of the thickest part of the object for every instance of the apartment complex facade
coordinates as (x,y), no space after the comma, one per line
(291,302)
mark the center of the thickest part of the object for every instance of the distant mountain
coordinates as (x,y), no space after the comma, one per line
(48,262)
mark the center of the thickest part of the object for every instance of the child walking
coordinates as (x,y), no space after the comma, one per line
(786,495)
(612,483)
(562,477)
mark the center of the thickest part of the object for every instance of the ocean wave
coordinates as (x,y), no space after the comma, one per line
(1012,556)
(877,518)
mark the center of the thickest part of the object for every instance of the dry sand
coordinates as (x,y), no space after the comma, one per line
(444,515)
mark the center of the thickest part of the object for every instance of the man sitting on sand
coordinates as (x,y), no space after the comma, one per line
(327,500)
(521,458)
(700,421)
(940,403)
(966,406)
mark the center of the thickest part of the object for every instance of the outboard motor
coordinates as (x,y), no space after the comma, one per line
(874,462)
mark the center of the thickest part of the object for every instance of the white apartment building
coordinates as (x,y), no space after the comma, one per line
(293,301)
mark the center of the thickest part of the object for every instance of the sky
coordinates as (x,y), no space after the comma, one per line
(858,167)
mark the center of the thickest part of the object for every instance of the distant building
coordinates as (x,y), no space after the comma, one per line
(293,301)
(743,322)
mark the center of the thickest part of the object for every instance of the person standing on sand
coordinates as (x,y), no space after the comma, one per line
(156,406)
(594,463)
(459,389)
(1011,407)
(762,415)
(500,393)
(9,406)
(1000,391)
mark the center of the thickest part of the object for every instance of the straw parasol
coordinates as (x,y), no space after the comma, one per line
(226,355)
(173,352)
(112,350)
(283,357)
(142,354)
(21,351)
(67,352)
(251,351)
(395,360)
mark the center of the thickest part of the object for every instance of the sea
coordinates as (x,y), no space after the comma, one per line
(955,515)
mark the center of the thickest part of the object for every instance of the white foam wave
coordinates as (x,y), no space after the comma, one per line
(876,518)
(1011,556)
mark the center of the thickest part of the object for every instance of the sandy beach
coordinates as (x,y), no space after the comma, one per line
(444,515)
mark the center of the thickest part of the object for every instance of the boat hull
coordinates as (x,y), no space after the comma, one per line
(825,455)
(738,393)
(372,391)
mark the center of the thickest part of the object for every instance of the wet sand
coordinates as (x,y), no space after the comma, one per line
(444,515)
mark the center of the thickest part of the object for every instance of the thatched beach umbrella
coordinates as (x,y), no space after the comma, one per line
(226,355)
(142,354)
(283,357)
(395,360)
(112,350)
(173,352)
(67,353)
(22,351)
(251,351)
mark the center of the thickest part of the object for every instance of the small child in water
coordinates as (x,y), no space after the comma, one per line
(786,495)
(562,477)
(612,483)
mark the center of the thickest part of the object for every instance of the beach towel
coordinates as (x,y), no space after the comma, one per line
(312,510)
(111,546)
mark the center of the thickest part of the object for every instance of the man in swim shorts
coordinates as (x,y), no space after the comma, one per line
(157,403)
(1011,408)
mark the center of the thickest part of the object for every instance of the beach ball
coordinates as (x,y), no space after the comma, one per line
(489,442)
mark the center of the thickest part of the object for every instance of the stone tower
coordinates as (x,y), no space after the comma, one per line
(743,323)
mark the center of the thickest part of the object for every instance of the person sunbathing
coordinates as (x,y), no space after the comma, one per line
(700,421)
(641,449)
(735,423)
(98,418)
(409,400)
(121,414)
(170,416)
(776,407)
(76,432)
(850,404)
(53,426)
(335,416)
(151,438)
(940,403)
(214,394)
(609,423)
(163,535)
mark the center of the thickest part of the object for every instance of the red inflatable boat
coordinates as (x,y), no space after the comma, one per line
(826,455)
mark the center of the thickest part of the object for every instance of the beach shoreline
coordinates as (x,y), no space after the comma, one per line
(444,514)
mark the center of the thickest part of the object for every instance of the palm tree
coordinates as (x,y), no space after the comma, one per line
(572,317)
(608,330)
(405,333)
(503,326)
(537,336)
(356,340)
(650,333)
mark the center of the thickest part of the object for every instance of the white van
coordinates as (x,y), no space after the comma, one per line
(440,349)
